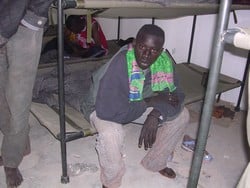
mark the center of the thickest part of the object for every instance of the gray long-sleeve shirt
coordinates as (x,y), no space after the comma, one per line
(13,11)
(110,91)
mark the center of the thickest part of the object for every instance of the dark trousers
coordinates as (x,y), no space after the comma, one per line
(19,59)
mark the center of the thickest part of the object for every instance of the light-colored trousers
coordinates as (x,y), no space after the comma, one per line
(244,181)
(110,145)
(19,59)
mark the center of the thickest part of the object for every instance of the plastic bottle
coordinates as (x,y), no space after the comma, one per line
(78,168)
(207,157)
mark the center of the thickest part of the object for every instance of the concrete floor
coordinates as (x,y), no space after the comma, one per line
(226,143)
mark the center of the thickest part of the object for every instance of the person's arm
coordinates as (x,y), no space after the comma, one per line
(168,103)
(149,129)
(37,14)
(9,22)
(72,42)
(77,50)
(166,106)
(32,14)
(95,34)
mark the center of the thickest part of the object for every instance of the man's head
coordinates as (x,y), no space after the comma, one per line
(75,23)
(148,45)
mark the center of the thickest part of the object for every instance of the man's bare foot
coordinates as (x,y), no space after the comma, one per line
(13,177)
(168,172)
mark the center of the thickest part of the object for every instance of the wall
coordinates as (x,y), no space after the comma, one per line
(178,32)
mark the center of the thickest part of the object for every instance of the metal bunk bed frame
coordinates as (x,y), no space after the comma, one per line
(216,58)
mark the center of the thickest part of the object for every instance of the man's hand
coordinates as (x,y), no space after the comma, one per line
(40,7)
(170,98)
(149,130)
(173,99)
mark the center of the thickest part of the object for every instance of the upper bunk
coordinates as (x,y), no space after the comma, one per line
(159,9)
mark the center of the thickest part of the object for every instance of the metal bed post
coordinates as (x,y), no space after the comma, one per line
(153,20)
(192,39)
(243,82)
(60,70)
(215,59)
(118,28)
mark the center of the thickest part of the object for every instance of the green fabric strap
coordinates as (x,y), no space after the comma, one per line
(161,75)
(162,67)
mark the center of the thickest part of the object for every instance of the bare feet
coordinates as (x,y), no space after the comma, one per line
(13,177)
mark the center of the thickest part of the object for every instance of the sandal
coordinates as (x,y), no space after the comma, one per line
(188,143)
(168,172)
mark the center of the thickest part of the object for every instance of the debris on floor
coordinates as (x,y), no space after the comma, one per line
(78,168)
(222,111)
(189,143)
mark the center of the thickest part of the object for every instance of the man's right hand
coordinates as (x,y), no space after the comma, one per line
(149,130)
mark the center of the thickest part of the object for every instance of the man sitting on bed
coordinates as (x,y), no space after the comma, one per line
(75,39)
(139,81)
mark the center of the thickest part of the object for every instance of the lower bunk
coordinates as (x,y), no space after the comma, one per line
(77,76)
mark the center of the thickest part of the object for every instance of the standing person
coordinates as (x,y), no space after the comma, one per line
(139,78)
(21,31)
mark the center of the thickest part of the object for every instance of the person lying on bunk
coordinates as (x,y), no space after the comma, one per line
(75,39)
(140,79)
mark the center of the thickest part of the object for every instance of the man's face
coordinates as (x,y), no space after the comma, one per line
(147,50)
(77,28)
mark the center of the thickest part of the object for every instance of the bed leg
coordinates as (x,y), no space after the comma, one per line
(243,82)
(218,98)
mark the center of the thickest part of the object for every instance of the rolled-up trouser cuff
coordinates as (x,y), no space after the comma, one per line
(32,21)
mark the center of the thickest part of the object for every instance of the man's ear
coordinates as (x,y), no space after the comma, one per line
(134,43)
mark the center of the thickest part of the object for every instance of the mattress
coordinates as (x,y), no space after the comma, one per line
(193,79)
(51,59)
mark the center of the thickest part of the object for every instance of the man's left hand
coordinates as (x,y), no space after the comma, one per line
(173,99)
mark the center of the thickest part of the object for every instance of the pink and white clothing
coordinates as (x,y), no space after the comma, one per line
(82,37)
